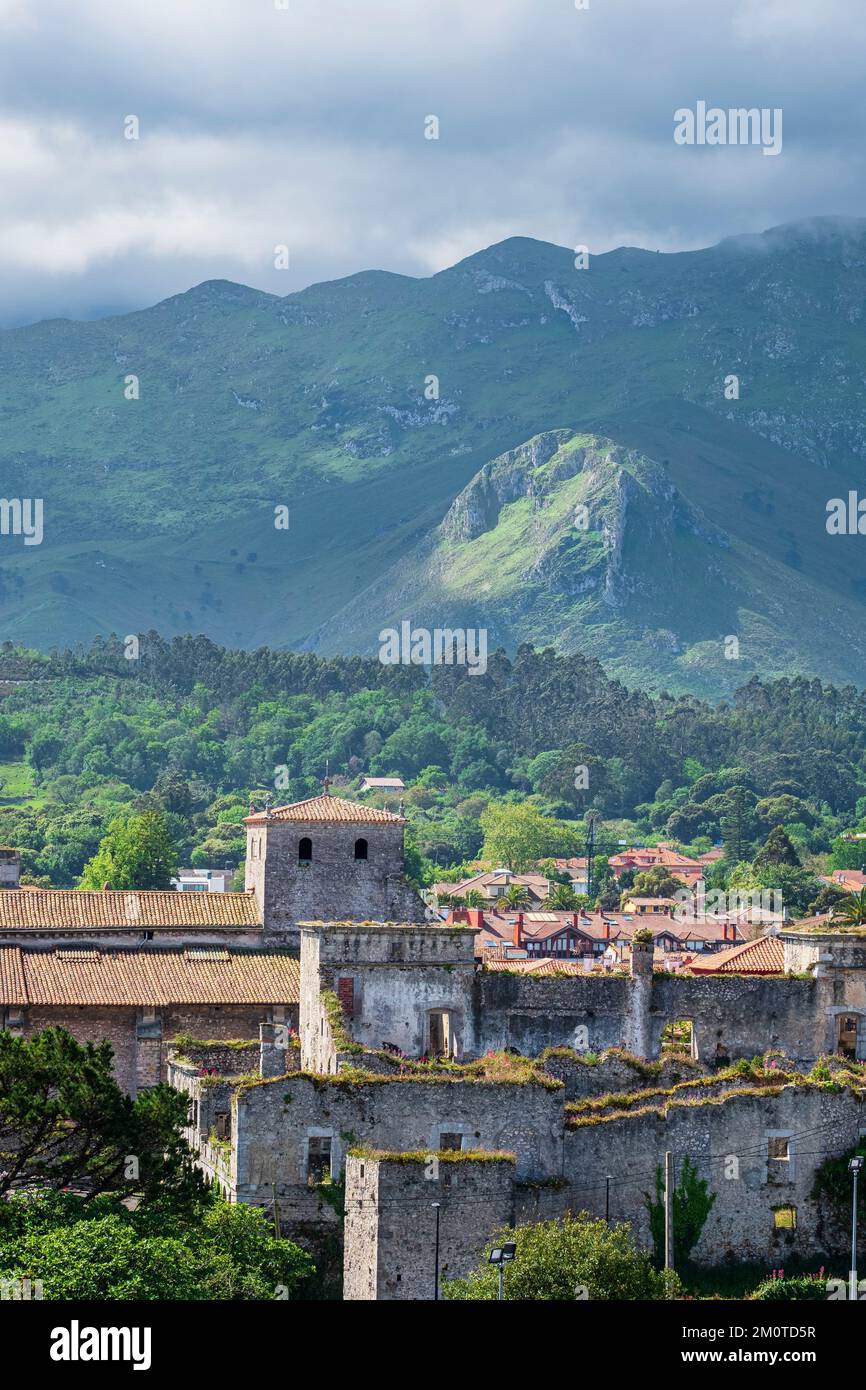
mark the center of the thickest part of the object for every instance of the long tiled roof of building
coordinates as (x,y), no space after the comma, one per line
(147,978)
(85,910)
(325,810)
(765,956)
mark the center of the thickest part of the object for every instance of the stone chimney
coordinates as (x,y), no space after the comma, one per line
(10,868)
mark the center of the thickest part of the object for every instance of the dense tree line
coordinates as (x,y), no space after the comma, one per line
(192,730)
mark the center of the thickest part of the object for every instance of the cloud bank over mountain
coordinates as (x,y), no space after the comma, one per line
(304,127)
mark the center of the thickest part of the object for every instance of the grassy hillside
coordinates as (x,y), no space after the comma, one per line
(159,512)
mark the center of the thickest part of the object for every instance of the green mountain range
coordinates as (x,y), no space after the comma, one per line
(515,443)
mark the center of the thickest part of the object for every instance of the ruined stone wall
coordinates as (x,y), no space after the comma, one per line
(389,980)
(615,1071)
(274,1122)
(229,1058)
(742,1015)
(728,1141)
(210,1111)
(736,1016)
(531,1014)
(390,1224)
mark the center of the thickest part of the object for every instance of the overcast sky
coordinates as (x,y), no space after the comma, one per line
(304,126)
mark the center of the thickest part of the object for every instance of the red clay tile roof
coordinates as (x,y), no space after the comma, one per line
(654,855)
(150,977)
(766,956)
(852,879)
(547,966)
(326,810)
(85,910)
(12,987)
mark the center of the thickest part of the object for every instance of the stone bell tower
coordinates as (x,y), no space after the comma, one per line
(328,859)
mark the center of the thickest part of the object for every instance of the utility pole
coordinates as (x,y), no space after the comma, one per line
(276,1204)
(590,853)
(854,1167)
(607,1199)
(435,1206)
(669,1210)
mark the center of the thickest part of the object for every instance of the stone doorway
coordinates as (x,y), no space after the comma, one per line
(847,1030)
(440,1033)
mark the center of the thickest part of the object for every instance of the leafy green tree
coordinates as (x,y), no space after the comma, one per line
(609,898)
(848,854)
(828,898)
(563,898)
(738,824)
(516,896)
(64,1119)
(516,835)
(560,1260)
(784,809)
(796,888)
(106,1252)
(692,1204)
(657,882)
(777,849)
(136,852)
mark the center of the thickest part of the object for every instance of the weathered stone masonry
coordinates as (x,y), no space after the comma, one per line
(390,1225)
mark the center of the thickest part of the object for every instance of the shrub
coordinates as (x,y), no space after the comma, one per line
(559,1260)
(810,1286)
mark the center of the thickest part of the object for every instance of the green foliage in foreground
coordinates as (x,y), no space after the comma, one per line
(580,1257)
(64,1120)
(103,1251)
(801,1286)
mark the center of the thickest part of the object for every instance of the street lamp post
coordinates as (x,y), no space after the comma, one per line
(436,1207)
(854,1169)
(501,1255)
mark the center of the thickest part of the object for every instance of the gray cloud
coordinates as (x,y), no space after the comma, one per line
(304,126)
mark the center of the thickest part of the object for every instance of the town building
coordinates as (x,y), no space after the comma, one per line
(202,880)
(382,784)
(139,967)
(680,866)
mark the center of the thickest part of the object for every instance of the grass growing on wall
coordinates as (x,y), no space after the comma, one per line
(442,1155)
(337,1021)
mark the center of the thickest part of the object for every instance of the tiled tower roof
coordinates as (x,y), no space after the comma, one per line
(325,810)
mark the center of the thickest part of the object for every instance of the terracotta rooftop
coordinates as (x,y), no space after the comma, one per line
(765,956)
(12,987)
(325,810)
(547,966)
(149,977)
(77,909)
(852,879)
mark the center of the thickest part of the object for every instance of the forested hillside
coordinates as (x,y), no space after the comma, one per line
(193,730)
